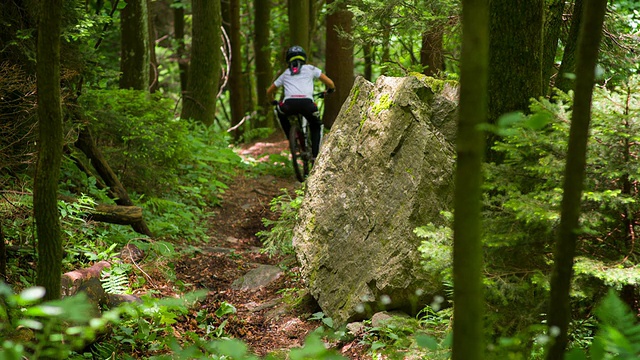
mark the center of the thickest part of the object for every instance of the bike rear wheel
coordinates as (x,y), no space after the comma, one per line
(299,152)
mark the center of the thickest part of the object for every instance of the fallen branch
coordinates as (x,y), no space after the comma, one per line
(87,145)
(112,214)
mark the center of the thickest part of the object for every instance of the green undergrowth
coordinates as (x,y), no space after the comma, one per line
(175,170)
(277,238)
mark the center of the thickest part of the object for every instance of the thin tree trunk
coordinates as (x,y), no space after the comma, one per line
(3,256)
(45,190)
(339,56)
(199,101)
(552,26)
(154,84)
(564,79)
(236,80)
(178,28)
(299,23)
(515,55)
(468,301)
(386,41)
(134,54)
(248,69)
(262,50)
(367,50)
(431,56)
(574,174)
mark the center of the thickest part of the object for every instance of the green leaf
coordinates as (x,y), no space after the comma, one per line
(31,295)
(44,311)
(31,324)
(538,120)
(235,349)
(575,354)
(426,341)
(224,309)
(328,321)
(509,119)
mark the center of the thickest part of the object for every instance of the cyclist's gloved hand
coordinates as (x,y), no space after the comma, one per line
(330,90)
(275,102)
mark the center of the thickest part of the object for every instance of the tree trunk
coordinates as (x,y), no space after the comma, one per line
(552,26)
(574,174)
(178,28)
(262,50)
(339,55)
(564,79)
(367,50)
(236,80)
(468,301)
(385,57)
(45,189)
(515,58)
(299,28)
(86,144)
(3,257)
(199,101)
(154,84)
(431,56)
(134,56)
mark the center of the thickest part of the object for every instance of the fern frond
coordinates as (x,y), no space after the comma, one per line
(115,281)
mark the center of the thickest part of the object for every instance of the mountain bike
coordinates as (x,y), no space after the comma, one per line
(300,142)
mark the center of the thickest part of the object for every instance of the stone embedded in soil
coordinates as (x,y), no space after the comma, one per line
(257,278)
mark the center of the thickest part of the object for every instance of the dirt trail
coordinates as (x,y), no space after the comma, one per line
(265,320)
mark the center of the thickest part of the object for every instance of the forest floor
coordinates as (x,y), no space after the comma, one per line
(272,318)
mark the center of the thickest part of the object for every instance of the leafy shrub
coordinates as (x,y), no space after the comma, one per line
(63,329)
(522,204)
(175,168)
(278,239)
(52,330)
(151,150)
(436,248)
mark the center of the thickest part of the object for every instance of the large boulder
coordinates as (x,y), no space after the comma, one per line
(385,168)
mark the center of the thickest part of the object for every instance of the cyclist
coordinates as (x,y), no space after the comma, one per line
(298,94)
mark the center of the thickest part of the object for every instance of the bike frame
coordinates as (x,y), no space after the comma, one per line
(300,142)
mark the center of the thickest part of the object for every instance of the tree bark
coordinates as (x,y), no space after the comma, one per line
(178,28)
(515,58)
(339,55)
(199,101)
(236,81)
(552,26)
(86,144)
(154,83)
(45,189)
(262,49)
(564,79)
(431,56)
(299,28)
(367,50)
(3,256)
(134,56)
(560,307)
(468,301)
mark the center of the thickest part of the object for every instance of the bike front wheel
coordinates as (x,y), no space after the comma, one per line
(299,152)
